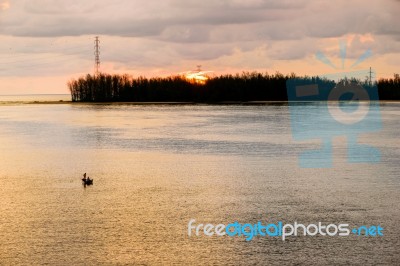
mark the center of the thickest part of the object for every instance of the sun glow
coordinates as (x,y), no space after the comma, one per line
(198,76)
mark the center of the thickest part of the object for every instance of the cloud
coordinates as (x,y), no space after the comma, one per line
(56,36)
(196,21)
(131,18)
(51,7)
(238,4)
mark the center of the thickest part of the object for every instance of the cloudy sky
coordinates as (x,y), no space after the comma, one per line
(44,43)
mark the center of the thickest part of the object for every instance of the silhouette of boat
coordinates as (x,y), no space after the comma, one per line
(87,181)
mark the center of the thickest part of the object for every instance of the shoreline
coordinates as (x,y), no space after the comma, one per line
(250,103)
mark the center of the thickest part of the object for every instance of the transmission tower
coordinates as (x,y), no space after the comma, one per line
(96,55)
(370,76)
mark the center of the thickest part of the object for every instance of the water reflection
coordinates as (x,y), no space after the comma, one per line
(157,167)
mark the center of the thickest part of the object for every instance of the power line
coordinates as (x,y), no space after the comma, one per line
(37,59)
(47,58)
(49,50)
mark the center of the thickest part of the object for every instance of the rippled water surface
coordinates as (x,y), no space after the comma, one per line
(155,167)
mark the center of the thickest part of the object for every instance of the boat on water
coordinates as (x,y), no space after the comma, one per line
(86,181)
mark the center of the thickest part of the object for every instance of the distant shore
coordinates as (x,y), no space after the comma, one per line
(252,103)
(247,87)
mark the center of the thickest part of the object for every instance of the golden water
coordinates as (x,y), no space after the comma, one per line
(156,167)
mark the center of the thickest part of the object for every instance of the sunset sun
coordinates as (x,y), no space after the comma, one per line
(197,76)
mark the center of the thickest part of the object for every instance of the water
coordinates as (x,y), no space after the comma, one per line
(31,98)
(155,167)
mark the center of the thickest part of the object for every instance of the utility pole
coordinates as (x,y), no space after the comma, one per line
(96,55)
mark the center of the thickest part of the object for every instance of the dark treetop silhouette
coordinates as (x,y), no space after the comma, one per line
(226,88)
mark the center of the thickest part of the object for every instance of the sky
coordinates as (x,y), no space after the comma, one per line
(45,43)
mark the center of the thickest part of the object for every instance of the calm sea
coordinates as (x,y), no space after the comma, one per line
(27,98)
(155,167)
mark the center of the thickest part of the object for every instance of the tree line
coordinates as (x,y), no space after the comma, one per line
(389,88)
(248,86)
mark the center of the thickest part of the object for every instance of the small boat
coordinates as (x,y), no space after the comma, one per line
(87,181)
